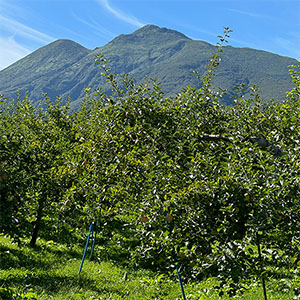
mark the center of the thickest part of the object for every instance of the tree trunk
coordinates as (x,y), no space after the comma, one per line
(37,225)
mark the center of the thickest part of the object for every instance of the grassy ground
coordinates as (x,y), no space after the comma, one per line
(51,272)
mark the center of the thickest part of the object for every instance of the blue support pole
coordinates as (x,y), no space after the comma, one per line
(86,245)
(94,232)
(180,282)
(165,215)
(177,269)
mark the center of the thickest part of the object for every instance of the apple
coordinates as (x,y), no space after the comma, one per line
(169,217)
(160,260)
(144,219)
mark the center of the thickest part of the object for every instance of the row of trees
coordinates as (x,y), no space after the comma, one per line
(185,179)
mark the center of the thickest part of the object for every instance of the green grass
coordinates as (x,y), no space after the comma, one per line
(51,272)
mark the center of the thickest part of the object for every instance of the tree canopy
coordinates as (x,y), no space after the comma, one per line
(172,180)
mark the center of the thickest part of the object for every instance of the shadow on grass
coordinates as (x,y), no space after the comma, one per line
(38,268)
(54,284)
(29,258)
(11,258)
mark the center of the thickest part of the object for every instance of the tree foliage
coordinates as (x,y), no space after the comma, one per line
(186,179)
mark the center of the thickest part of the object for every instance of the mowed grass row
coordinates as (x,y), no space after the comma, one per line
(51,272)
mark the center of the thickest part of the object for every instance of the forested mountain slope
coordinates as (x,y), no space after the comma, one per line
(65,68)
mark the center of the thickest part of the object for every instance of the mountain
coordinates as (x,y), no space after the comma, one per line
(65,68)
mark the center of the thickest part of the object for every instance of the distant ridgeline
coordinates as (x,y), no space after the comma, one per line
(65,68)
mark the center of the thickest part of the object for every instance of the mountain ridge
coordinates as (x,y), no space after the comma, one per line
(64,67)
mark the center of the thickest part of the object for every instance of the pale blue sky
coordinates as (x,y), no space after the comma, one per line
(26,25)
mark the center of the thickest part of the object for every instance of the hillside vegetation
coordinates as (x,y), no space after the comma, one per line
(64,68)
(182,180)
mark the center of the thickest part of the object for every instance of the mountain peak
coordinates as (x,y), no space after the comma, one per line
(154,29)
(151,34)
(65,44)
